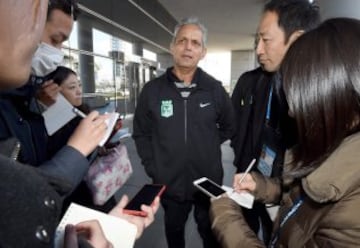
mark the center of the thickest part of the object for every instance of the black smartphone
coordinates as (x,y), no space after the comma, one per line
(209,187)
(145,196)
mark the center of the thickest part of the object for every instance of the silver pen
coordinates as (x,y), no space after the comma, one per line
(247,170)
(79,112)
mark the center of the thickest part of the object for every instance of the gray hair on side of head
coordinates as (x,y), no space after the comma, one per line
(194,21)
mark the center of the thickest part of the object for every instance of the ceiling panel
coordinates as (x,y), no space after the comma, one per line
(231,23)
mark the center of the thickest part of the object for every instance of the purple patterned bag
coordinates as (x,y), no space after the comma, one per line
(108,173)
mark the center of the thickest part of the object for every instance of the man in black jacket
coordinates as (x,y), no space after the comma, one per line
(180,121)
(264,129)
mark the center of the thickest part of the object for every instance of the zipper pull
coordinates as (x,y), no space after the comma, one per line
(15,153)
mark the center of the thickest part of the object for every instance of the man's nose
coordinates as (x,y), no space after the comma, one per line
(259,47)
(188,45)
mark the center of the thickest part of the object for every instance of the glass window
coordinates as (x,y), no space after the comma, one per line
(149,55)
(102,42)
(73,39)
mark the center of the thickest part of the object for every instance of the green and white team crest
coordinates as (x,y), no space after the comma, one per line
(167,108)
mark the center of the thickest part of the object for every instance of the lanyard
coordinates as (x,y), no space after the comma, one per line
(268,108)
(289,214)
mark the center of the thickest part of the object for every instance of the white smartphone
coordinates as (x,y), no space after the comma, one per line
(209,187)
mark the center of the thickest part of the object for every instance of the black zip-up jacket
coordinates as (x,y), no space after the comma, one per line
(250,98)
(178,139)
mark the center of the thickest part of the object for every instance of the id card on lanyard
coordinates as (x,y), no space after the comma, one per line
(266,161)
(297,204)
(267,156)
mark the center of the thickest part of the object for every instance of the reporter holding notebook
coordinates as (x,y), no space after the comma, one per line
(31,199)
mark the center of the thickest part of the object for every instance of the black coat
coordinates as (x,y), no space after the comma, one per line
(250,99)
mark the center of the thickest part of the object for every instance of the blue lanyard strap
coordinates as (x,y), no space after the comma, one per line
(289,214)
(268,108)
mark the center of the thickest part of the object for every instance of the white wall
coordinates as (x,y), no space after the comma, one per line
(241,61)
(339,8)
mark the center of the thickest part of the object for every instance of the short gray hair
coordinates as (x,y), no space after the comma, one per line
(193,21)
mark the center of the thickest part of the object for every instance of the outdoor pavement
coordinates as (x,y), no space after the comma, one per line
(154,235)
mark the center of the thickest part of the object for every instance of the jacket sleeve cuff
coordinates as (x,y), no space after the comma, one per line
(268,190)
(229,226)
(68,164)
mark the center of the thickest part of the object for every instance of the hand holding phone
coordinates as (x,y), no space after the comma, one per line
(145,196)
(209,187)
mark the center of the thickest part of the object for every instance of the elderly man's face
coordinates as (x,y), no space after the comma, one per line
(188,48)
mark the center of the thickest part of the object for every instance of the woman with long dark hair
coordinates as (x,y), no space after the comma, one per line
(319,192)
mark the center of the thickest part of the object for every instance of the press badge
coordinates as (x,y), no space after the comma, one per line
(266,161)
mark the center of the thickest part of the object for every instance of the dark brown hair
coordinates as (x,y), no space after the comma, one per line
(61,74)
(321,81)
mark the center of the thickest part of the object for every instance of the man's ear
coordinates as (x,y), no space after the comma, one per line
(172,48)
(204,51)
(295,35)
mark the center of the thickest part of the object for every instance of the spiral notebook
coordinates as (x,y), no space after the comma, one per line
(119,232)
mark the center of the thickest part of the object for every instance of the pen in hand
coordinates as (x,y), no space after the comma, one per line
(247,170)
(79,112)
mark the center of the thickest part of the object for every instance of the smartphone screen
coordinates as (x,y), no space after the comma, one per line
(211,188)
(146,196)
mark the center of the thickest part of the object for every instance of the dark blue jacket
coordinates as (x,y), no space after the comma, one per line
(17,120)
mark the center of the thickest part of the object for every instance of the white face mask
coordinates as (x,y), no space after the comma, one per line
(46,59)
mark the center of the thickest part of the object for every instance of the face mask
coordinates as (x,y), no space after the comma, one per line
(46,59)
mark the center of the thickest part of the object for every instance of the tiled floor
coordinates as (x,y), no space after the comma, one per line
(154,236)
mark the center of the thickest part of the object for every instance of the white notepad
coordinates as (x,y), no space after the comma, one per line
(119,232)
(244,199)
(61,112)
(58,114)
(113,117)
